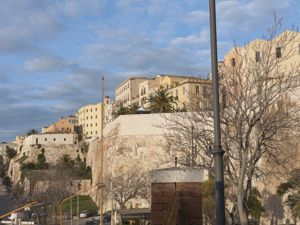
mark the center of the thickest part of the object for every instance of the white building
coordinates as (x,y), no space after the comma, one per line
(51,138)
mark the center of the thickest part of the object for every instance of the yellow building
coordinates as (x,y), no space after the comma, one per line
(64,125)
(89,117)
(188,91)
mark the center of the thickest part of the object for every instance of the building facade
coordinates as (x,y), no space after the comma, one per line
(127,93)
(63,125)
(186,90)
(51,138)
(89,117)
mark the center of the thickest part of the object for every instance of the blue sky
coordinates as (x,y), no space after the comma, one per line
(52,52)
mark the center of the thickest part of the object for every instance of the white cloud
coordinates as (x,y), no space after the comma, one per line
(197,17)
(192,40)
(46,64)
(236,16)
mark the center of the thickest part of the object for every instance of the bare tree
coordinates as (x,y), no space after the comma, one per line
(129,185)
(258,116)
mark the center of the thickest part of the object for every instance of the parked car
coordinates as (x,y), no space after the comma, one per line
(84,214)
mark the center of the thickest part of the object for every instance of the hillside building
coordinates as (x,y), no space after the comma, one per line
(184,89)
(51,139)
(127,93)
(89,117)
(63,125)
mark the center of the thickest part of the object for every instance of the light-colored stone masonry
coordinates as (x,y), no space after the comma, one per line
(131,142)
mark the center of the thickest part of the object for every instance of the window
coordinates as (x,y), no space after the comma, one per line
(176,92)
(91,110)
(45,139)
(197,89)
(91,124)
(206,105)
(54,139)
(257,56)
(95,109)
(65,139)
(233,62)
(205,91)
(91,132)
(87,117)
(96,124)
(299,49)
(278,52)
(91,117)
(87,125)
(96,116)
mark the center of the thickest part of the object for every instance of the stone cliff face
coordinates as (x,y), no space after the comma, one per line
(52,153)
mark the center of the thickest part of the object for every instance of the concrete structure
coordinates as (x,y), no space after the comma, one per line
(176,196)
(51,138)
(127,93)
(63,125)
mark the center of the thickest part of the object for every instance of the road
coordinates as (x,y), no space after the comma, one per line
(6,204)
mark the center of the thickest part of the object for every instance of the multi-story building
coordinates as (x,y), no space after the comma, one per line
(185,90)
(127,93)
(89,117)
(283,49)
(63,125)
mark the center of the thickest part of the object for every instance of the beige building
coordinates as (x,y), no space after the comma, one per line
(89,117)
(63,125)
(127,93)
(137,90)
(285,51)
(186,90)
(277,58)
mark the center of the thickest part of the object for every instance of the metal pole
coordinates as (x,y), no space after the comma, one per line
(217,149)
(101,153)
(193,150)
(71,210)
(78,209)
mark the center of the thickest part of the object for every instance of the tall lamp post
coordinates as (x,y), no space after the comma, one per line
(217,149)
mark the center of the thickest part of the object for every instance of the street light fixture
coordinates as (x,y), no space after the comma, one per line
(217,149)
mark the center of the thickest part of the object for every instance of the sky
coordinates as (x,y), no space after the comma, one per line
(53,52)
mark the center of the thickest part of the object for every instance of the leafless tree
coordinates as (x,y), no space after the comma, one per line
(258,116)
(129,185)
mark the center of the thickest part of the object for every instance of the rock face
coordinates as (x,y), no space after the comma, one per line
(29,153)
(131,142)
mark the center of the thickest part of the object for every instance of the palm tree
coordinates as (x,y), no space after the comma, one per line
(32,131)
(161,102)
